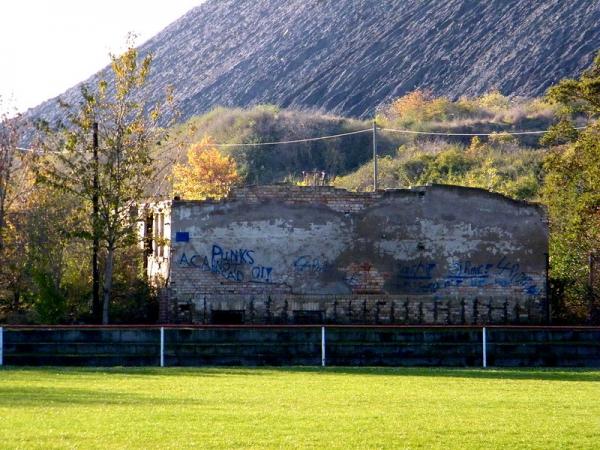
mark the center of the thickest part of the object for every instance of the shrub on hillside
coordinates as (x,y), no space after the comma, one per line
(516,173)
(268,164)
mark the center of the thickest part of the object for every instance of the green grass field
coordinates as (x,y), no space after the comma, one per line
(298,408)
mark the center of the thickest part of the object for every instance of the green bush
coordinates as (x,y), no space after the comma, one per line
(50,303)
(485,165)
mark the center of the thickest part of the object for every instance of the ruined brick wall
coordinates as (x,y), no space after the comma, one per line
(281,254)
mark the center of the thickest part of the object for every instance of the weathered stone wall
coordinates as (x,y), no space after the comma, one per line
(281,254)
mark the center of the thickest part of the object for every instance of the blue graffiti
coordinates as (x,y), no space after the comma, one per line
(241,256)
(418,271)
(511,274)
(466,269)
(503,274)
(308,264)
(262,273)
(236,265)
(418,277)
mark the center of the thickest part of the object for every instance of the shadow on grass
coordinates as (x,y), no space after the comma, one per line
(544,374)
(46,396)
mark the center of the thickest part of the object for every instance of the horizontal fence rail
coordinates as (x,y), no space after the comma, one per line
(318,345)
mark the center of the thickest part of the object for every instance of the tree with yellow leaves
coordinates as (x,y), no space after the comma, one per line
(111,178)
(207,174)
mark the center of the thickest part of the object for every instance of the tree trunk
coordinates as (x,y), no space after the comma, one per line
(2,196)
(16,300)
(107,287)
(96,306)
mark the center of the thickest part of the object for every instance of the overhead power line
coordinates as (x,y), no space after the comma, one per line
(367,130)
(296,141)
(33,150)
(439,133)
(257,144)
(393,130)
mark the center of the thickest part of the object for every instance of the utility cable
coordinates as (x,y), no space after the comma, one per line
(33,150)
(257,144)
(368,130)
(498,133)
(297,141)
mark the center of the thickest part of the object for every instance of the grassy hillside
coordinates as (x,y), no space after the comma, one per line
(268,164)
(339,157)
(505,163)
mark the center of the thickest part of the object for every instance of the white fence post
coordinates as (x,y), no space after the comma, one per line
(322,346)
(162,346)
(484,344)
(1,346)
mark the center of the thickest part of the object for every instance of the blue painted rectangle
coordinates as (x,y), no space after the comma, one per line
(182,236)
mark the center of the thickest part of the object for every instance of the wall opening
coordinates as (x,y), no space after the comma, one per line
(302,317)
(227,316)
(148,237)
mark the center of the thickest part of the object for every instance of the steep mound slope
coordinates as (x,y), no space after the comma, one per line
(349,56)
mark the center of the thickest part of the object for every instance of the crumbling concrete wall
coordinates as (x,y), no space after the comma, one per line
(435,254)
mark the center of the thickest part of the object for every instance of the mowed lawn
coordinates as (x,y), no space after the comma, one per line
(298,408)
